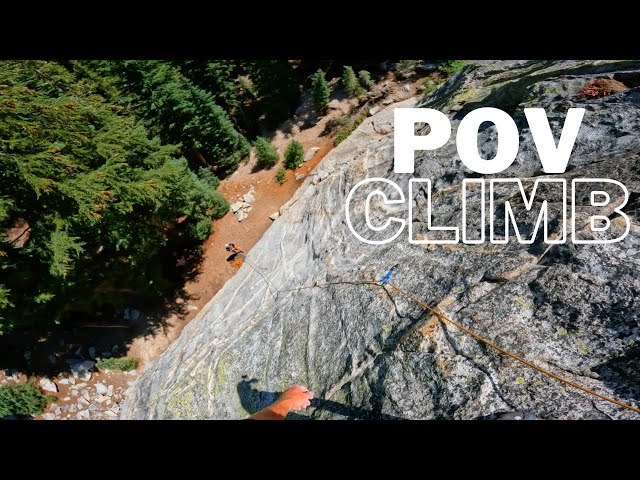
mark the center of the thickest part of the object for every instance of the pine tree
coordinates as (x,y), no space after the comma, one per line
(277,88)
(293,155)
(350,82)
(266,154)
(89,197)
(320,92)
(365,79)
(180,112)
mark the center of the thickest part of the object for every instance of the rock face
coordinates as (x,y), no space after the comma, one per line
(371,353)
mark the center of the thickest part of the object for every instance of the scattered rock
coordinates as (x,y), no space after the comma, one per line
(81,368)
(101,398)
(86,395)
(299,176)
(48,416)
(179,300)
(82,402)
(247,209)
(109,413)
(66,399)
(132,372)
(236,206)
(248,198)
(92,352)
(101,389)
(48,386)
(191,307)
(240,215)
(83,415)
(110,391)
(274,215)
(64,381)
(406,88)
(309,154)
(74,393)
(387,101)
(374,110)
(72,380)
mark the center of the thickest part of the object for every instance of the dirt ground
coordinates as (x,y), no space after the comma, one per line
(213,270)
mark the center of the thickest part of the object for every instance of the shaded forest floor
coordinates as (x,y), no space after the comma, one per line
(146,332)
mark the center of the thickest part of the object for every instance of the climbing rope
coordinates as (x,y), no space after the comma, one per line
(513,355)
(479,338)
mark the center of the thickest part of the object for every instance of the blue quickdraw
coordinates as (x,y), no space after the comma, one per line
(386,277)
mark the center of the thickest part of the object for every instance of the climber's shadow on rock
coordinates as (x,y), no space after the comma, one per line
(253,400)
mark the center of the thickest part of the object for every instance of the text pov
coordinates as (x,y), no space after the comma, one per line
(586,204)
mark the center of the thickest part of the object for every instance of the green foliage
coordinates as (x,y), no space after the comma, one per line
(5,304)
(216,77)
(350,82)
(22,399)
(320,92)
(180,112)
(430,86)
(365,79)
(98,194)
(344,132)
(406,66)
(281,176)
(449,67)
(247,85)
(276,87)
(122,363)
(266,154)
(293,155)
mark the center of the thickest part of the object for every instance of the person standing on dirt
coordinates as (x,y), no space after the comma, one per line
(236,259)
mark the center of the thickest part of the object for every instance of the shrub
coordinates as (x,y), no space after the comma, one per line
(430,86)
(365,79)
(220,205)
(122,363)
(341,136)
(320,92)
(449,67)
(407,65)
(346,131)
(266,153)
(293,156)
(281,175)
(350,82)
(23,399)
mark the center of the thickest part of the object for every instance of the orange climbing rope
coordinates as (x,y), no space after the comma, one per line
(513,355)
(477,337)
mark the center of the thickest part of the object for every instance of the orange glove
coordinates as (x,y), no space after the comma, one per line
(296,397)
